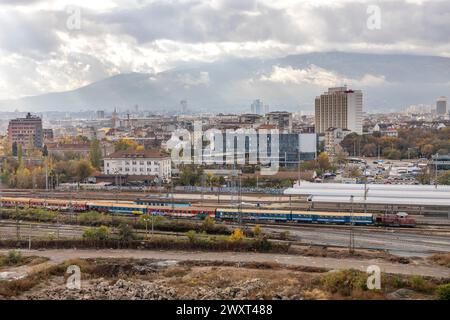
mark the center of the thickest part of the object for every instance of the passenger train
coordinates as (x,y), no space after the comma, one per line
(140,207)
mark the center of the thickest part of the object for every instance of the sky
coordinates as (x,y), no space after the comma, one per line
(50,46)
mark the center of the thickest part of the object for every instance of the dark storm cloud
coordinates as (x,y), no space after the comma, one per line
(197,21)
(28,33)
(160,34)
(400,22)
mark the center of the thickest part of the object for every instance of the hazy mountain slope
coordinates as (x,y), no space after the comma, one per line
(389,82)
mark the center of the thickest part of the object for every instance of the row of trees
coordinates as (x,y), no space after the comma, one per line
(48,170)
(410,143)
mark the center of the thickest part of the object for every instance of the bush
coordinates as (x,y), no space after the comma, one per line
(208,224)
(100,233)
(443,292)
(398,282)
(285,235)
(419,283)
(263,244)
(344,281)
(13,257)
(257,231)
(192,236)
(126,232)
(237,235)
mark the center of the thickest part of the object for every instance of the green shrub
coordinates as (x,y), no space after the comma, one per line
(14,257)
(126,232)
(420,284)
(285,235)
(208,224)
(237,235)
(398,283)
(443,292)
(344,281)
(192,236)
(100,233)
(257,231)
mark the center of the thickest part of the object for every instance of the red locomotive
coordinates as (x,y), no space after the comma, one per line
(400,219)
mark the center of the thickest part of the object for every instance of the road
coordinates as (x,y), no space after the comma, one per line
(59,256)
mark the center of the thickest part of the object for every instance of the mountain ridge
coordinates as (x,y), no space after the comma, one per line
(389,82)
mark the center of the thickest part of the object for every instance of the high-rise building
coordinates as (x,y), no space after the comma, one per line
(26,130)
(281,119)
(257,107)
(114,118)
(339,108)
(184,105)
(100,114)
(441,106)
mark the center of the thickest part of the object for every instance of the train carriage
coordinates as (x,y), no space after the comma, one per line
(182,212)
(250,214)
(298,216)
(121,208)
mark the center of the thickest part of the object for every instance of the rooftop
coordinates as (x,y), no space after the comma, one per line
(152,154)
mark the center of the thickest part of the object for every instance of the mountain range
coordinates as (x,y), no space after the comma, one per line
(389,83)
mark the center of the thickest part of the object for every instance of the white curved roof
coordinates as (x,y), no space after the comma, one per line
(376,193)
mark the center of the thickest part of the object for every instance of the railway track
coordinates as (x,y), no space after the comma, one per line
(395,242)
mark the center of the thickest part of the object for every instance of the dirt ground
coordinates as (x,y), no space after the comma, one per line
(112,279)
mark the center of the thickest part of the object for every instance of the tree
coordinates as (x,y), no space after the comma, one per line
(45,151)
(353,172)
(191,175)
(324,161)
(95,154)
(444,178)
(19,154)
(14,149)
(427,150)
(125,145)
(369,150)
(83,169)
(341,156)
(424,177)
(392,154)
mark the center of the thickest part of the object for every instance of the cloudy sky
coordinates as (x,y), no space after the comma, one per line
(48,46)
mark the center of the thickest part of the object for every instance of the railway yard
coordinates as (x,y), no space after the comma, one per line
(317,245)
(432,233)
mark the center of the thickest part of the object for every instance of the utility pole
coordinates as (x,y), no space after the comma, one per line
(153,223)
(171,183)
(240,200)
(203,187)
(46,175)
(436,170)
(29,238)
(351,245)
(366,191)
